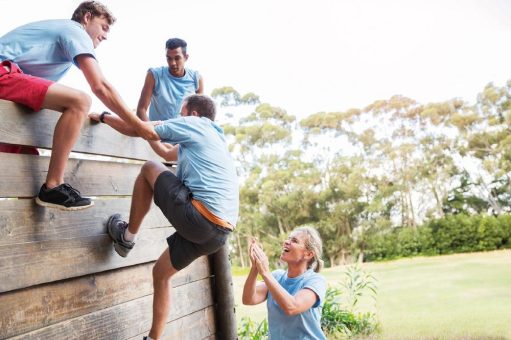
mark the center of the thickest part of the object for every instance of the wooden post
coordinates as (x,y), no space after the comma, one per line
(223,295)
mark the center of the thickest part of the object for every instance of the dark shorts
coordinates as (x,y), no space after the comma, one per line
(195,236)
(22,88)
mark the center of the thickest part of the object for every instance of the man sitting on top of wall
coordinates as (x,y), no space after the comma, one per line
(33,57)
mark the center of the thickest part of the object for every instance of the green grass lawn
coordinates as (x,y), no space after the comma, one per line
(462,296)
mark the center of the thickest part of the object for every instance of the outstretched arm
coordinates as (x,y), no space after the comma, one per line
(165,150)
(109,96)
(115,122)
(290,304)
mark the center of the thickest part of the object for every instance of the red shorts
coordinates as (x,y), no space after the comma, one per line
(12,148)
(22,88)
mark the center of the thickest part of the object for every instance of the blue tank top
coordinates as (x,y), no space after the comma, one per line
(169,92)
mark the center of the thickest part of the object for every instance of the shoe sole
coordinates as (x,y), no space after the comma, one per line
(62,207)
(118,248)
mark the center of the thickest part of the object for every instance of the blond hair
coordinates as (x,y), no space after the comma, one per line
(314,244)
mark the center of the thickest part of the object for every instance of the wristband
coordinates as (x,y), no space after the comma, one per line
(102,116)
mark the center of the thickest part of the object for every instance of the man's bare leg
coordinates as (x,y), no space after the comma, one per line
(163,271)
(74,106)
(143,192)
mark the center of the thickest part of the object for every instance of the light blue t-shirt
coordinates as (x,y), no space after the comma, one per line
(169,92)
(46,49)
(204,165)
(304,326)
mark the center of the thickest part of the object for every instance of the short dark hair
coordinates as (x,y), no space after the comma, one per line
(174,43)
(97,9)
(203,105)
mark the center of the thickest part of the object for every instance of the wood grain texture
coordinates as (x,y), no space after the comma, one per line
(23,221)
(198,325)
(23,175)
(129,319)
(27,264)
(25,310)
(22,126)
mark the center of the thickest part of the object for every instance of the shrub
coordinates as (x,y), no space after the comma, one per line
(249,330)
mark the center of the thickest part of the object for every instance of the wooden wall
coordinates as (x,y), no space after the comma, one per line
(59,275)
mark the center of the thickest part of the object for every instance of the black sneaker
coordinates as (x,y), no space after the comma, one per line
(116,228)
(63,197)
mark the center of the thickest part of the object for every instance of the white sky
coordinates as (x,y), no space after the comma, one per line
(304,56)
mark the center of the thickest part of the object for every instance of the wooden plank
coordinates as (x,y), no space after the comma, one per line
(27,264)
(23,175)
(128,319)
(198,325)
(22,126)
(24,221)
(25,310)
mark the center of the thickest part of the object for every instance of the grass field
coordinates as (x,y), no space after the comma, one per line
(462,296)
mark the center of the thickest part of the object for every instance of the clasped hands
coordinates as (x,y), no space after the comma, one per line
(258,257)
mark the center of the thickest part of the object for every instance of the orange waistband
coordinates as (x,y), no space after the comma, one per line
(210,216)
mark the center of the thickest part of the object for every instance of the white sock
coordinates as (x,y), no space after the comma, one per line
(148,337)
(129,237)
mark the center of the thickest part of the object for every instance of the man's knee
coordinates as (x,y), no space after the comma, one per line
(78,103)
(82,102)
(149,166)
(151,170)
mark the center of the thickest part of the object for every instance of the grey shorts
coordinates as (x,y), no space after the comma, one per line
(195,236)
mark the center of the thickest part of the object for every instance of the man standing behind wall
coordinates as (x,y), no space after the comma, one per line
(33,57)
(163,92)
(201,201)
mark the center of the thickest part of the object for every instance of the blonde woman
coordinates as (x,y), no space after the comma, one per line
(294,296)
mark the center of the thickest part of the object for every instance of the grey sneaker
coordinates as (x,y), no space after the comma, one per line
(116,227)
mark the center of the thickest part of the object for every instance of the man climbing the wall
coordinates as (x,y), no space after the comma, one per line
(201,201)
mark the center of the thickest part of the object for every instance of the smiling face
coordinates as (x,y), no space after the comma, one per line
(294,249)
(97,27)
(176,61)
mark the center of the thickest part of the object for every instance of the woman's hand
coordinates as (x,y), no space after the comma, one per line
(258,257)
(250,251)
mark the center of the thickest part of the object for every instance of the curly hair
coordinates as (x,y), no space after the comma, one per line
(97,9)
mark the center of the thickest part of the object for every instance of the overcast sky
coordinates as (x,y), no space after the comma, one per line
(304,56)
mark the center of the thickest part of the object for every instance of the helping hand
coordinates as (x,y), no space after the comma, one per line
(94,116)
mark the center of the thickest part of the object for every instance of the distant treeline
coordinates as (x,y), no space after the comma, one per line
(396,178)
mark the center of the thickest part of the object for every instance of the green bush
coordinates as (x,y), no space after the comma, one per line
(249,330)
(338,323)
(451,234)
